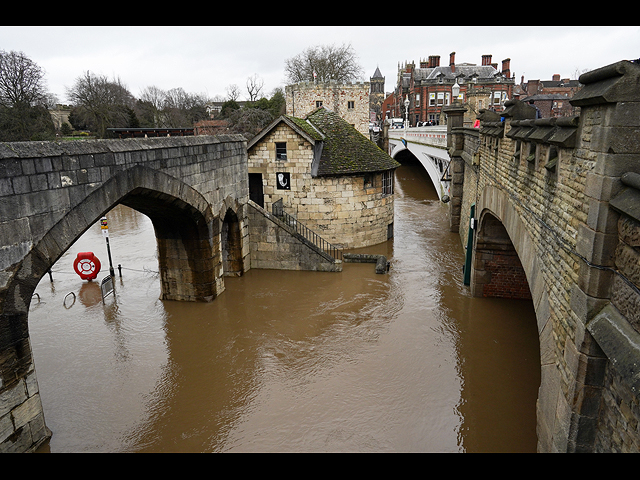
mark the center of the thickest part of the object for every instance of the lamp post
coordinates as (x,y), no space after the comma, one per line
(455,91)
(406,112)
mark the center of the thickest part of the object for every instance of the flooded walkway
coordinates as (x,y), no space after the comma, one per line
(288,361)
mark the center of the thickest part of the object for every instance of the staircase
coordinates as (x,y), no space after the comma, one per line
(305,234)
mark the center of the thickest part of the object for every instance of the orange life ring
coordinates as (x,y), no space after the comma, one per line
(87,265)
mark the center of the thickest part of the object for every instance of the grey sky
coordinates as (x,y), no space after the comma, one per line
(206,59)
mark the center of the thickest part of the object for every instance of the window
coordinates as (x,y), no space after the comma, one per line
(440,98)
(368,180)
(387,182)
(351,104)
(417,99)
(281,150)
(318,103)
(432,99)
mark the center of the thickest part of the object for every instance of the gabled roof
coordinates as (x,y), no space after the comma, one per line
(339,149)
(308,132)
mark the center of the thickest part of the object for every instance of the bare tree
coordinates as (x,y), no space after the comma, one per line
(254,87)
(101,103)
(323,63)
(233,92)
(23,100)
(21,80)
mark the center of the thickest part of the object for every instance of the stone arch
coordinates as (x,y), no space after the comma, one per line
(495,205)
(231,238)
(187,233)
(178,212)
(499,218)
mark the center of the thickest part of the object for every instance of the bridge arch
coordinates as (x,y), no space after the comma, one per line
(231,228)
(501,230)
(434,160)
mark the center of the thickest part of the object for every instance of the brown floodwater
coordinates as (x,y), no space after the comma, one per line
(287,361)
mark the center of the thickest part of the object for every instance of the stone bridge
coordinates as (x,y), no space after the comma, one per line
(195,191)
(550,211)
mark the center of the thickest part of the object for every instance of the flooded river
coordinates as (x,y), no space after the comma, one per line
(288,361)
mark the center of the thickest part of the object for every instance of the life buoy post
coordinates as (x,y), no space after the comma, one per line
(87,265)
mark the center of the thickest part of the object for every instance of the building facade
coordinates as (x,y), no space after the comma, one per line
(430,88)
(349,100)
(331,178)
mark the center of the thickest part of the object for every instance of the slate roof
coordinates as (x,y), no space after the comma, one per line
(465,71)
(345,150)
(340,149)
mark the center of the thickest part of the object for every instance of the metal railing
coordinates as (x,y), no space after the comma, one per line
(310,236)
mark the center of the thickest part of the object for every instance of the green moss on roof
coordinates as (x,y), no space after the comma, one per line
(346,151)
(304,125)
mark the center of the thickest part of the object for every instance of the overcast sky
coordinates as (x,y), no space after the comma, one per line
(207,59)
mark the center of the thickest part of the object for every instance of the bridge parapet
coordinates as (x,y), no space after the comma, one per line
(561,195)
(435,136)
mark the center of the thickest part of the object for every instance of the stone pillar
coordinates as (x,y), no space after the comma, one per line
(609,140)
(455,145)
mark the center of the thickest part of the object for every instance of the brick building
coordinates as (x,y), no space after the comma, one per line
(551,97)
(429,88)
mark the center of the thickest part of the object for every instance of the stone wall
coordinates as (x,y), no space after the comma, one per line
(557,187)
(302,98)
(275,245)
(342,210)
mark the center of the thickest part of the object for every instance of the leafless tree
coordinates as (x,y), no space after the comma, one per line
(100,102)
(21,80)
(233,92)
(323,63)
(254,87)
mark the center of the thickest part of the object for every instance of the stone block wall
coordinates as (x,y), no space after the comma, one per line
(564,190)
(342,210)
(274,245)
(302,98)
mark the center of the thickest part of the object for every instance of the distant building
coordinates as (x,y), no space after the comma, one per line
(349,100)
(551,97)
(376,97)
(333,179)
(429,89)
(210,127)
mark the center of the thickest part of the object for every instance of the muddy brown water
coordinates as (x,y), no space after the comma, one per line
(288,361)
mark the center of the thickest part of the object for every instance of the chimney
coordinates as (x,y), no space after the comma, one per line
(424,64)
(486,59)
(434,61)
(452,62)
(506,67)
(556,77)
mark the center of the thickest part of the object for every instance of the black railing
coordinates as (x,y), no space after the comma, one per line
(310,236)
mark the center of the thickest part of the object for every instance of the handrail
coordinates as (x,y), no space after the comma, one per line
(278,211)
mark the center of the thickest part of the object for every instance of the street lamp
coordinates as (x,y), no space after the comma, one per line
(406,112)
(455,91)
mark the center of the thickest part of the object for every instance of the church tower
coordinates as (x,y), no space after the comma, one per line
(376,96)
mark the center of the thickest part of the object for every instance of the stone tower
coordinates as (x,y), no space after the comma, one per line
(376,96)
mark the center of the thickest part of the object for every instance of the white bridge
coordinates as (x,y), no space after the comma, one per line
(429,146)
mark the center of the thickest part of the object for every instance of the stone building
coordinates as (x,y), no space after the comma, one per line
(349,100)
(328,175)
(376,97)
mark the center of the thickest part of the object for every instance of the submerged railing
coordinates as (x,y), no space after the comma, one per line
(309,235)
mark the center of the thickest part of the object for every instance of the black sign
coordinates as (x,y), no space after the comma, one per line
(283,181)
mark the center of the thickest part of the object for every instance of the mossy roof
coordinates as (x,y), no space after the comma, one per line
(345,150)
